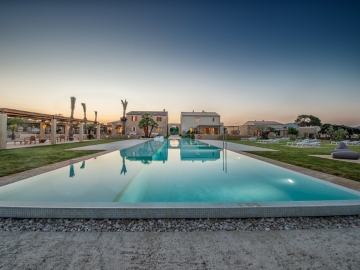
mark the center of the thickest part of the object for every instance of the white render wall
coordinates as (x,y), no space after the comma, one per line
(188,122)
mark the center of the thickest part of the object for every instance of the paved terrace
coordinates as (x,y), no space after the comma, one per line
(297,249)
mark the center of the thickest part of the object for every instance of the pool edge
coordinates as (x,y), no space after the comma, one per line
(178,210)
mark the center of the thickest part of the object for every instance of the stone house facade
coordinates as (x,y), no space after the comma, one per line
(251,128)
(134,117)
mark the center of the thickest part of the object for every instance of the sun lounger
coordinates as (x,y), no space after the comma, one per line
(354,143)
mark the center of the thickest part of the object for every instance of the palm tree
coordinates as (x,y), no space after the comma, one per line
(95,117)
(146,122)
(123,119)
(84,109)
(72,107)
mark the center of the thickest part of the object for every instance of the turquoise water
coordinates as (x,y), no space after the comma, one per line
(173,171)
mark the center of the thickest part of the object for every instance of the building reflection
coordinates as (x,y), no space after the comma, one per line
(191,150)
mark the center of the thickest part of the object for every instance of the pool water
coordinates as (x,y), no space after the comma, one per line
(173,171)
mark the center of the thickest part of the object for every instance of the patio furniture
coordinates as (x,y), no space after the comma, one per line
(31,139)
(21,141)
(354,143)
(342,152)
(62,137)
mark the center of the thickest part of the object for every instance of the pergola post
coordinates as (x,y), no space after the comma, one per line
(3,130)
(81,132)
(98,132)
(113,130)
(53,131)
(42,130)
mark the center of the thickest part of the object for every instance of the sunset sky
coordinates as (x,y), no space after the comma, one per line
(246,60)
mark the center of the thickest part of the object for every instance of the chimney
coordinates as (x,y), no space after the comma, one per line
(164,110)
(193,110)
(203,110)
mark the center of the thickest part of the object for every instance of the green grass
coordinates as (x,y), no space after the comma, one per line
(300,157)
(27,158)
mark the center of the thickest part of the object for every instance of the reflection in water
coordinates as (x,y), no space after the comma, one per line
(192,150)
(146,152)
(123,169)
(83,165)
(72,171)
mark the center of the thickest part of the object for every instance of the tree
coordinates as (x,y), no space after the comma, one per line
(85,119)
(340,134)
(72,107)
(123,118)
(293,131)
(330,131)
(146,122)
(13,123)
(13,128)
(174,130)
(305,120)
(90,128)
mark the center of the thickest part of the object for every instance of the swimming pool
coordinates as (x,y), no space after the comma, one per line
(174,173)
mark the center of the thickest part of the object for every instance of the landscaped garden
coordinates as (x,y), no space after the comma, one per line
(27,158)
(300,156)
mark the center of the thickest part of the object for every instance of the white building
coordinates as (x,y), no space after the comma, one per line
(201,123)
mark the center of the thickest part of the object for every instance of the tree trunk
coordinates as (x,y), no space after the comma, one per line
(151,130)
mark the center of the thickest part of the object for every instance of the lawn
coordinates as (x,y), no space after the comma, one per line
(300,157)
(23,159)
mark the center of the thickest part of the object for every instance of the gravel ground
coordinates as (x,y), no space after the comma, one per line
(177,225)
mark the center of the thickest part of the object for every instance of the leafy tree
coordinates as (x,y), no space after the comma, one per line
(340,134)
(15,121)
(330,131)
(147,122)
(90,128)
(305,120)
(174,130)
(13,128)
(293,131)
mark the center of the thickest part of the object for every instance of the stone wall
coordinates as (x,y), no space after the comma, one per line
(140,132)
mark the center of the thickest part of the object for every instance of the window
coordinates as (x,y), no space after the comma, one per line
(197,119)
(158,119)
(133,118)
(213,119)
(133,128)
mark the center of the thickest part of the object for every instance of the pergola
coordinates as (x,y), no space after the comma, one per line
(53,119)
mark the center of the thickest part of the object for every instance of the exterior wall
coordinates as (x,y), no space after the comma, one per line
(130,125)
(311,131)
(250,130)
(188,122)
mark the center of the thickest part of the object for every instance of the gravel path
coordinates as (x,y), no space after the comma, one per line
(177,225)
(295,249)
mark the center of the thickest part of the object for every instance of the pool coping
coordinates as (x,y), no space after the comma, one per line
(180,210)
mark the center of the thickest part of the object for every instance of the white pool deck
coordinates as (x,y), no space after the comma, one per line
(173,210)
